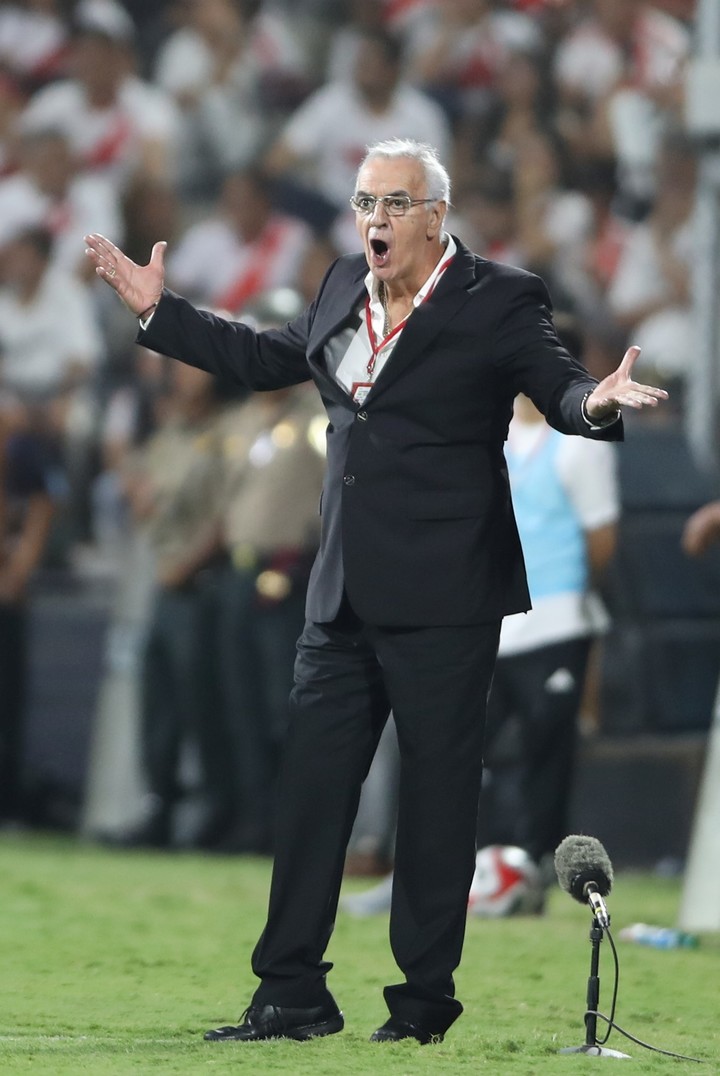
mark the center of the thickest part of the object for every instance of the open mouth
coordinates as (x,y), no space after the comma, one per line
(380,251)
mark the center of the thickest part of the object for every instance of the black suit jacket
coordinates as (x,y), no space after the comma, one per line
(418,523)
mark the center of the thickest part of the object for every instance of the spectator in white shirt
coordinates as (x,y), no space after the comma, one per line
(459,55)
(248,247)
(326,138)
(554,221)
(49,349)
(33,38)
(649,297)
(620,75)
(228,69)
(408,20)
(119,126)
(48,336)
(49,191)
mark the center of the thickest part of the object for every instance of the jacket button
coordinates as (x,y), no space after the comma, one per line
(349,479)
(362,416)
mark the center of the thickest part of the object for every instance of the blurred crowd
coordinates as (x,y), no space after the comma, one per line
(233,130)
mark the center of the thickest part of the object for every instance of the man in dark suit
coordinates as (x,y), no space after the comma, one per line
(418,350)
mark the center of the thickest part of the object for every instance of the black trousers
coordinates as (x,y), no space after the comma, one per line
(531,746)
(257,645)
(179,698)
(348,676)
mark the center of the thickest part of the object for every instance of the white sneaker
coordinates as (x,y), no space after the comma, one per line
(373,901)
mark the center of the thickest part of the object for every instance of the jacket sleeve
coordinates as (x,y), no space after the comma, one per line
(266,360)
(530,356)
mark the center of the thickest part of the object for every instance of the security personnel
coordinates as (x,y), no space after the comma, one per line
(273,455)
(30,487)
(173,484)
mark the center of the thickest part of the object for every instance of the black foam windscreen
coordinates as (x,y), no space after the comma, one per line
(580,860)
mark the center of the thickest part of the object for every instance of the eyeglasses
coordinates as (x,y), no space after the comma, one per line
(395,205)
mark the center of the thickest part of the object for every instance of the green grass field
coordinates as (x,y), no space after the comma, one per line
(116,962)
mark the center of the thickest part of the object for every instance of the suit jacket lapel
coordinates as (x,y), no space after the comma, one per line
(424,325)
(429,319)
(327,326)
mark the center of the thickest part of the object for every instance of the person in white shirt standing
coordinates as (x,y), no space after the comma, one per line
(566,500)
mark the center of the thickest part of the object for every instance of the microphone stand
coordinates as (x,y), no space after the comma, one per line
(591,1047)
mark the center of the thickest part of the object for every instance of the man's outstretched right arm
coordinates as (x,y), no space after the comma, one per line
(172,326)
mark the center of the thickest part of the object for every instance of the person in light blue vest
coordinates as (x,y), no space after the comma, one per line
(566,504)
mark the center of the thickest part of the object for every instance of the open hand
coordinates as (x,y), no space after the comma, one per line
(139,286)
(619,390)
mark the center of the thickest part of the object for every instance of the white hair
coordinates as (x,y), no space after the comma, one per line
(437,179)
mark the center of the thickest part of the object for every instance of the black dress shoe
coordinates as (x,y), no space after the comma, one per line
(394,1030)
(279,1022)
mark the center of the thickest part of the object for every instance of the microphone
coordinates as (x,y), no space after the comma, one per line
(585,872)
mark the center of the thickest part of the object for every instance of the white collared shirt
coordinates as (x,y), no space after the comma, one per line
(352,368)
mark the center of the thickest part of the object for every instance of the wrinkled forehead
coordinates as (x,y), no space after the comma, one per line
(390,175)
